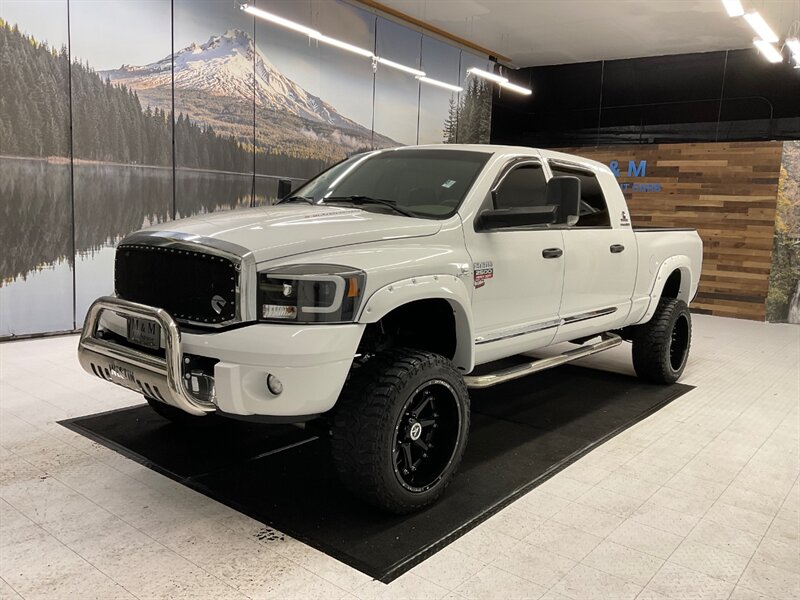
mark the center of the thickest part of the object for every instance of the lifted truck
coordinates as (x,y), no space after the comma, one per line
(370,296)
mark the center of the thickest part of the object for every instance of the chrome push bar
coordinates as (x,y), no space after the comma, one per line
(159,378)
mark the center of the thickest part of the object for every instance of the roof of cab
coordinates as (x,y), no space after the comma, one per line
(514,150)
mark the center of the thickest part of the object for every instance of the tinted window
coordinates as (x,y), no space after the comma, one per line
(593,209)
(522,187)
(426,183)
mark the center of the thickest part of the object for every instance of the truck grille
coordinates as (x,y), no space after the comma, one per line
(191,286)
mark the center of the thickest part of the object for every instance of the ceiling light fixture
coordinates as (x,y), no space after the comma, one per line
(768,50)
(343,45)
(759,25)
(441,84)
(325,39)
(399,67)
(281,21)
(734,8)
(503,81)
(516,88)
(487,75)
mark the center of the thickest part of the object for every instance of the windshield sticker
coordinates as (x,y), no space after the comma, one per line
(449,183)
(483,271)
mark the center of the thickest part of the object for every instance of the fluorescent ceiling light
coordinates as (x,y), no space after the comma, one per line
(441,84)
(769,51)
(280,21)
(759,25)
(734,8)
(313,33)
(399,67)
(487,75)
(343,45)
(794,46)
(516,88)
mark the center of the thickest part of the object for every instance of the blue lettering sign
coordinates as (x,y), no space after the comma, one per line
(635,170)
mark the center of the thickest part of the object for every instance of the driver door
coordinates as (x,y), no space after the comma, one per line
(517,272)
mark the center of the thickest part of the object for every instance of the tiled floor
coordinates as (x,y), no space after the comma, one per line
(701,500)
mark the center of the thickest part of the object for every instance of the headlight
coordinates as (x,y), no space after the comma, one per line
(310,294)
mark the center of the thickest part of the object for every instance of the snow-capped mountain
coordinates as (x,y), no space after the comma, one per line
(224,67)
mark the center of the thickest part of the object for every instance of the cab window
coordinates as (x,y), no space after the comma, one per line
(522,187)
(593,208)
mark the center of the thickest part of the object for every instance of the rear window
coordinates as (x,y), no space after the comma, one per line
(593,209)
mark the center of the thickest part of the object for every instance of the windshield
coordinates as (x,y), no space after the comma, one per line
(423,183)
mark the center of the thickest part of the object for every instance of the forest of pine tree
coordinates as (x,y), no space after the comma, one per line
(469,121)
(109,122)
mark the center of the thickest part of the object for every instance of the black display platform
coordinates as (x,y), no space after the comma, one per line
(523,432)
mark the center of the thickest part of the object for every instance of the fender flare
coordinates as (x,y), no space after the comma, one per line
(681,263)
(429,287)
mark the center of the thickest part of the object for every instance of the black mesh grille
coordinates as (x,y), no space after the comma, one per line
(188,285)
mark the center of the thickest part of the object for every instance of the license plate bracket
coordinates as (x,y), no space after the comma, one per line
(144,332)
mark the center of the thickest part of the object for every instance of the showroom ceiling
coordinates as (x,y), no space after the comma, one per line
(547,32)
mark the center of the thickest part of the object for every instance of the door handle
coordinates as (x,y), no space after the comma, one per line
(552,252)
(616,248)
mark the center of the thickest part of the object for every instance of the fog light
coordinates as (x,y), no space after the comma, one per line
(274,384)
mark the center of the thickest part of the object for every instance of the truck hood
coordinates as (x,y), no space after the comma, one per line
(274,232)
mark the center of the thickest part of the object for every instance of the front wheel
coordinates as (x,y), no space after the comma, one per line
(661,346)
(400,429)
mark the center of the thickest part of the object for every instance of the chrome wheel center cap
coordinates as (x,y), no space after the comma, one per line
(415,431)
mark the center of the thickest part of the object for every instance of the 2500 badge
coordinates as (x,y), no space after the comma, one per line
(482,271)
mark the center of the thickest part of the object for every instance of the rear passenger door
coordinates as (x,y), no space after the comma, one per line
(600,262)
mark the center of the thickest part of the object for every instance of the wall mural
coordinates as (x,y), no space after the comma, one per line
(783,300)
(251,103)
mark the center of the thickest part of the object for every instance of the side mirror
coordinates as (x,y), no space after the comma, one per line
(284,188)
(502,218)
(564,193)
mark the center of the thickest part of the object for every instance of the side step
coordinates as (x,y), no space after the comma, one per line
(607,340)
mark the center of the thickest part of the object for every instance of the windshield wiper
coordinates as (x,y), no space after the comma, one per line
(305,199)
(369,200)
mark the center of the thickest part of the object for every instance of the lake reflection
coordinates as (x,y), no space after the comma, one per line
(110,201)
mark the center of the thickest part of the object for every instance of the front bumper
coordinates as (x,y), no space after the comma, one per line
(311,361)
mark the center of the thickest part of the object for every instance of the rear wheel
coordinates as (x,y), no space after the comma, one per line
(661,346)
(400,429)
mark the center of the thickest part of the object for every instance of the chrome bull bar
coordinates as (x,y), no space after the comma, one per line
(159,378)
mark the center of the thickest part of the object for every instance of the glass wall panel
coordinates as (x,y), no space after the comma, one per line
(36,268)
(437,106)
(474,113)
(214,58)
(396,92)
(122,135)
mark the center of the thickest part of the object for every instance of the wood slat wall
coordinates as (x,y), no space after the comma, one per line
(728,192)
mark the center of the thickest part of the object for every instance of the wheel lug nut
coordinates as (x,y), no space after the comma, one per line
(424,455)
(405,471)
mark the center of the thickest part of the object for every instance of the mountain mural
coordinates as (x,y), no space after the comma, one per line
(217,82)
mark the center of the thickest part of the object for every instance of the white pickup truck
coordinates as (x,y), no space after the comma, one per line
(371,295)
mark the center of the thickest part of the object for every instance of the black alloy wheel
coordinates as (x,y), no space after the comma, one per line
(426,436)
(661,346)
(399,429)
(679,343)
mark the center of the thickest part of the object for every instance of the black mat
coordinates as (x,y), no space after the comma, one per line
(522,433)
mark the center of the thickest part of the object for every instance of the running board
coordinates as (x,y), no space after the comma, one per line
(608,340)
